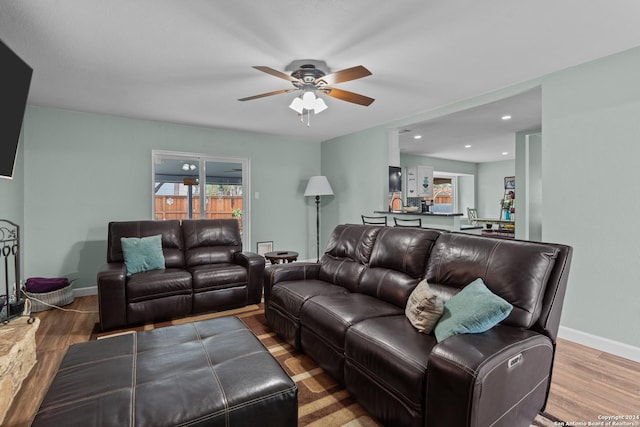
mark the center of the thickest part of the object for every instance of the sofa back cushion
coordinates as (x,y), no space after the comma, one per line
(172,243)
(397,263)
(348,250)
(514,270)
(211,241)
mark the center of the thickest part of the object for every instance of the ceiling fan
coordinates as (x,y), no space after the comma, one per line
(310,79)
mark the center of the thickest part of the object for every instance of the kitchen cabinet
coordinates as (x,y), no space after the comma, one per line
(420,181)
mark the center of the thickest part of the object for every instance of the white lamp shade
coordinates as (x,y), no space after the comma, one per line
(318,186)
(320,106)
(296,105)
(308,100)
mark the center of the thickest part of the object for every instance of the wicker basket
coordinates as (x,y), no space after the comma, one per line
(60,297)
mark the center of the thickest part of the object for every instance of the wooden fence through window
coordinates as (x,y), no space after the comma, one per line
(176,207)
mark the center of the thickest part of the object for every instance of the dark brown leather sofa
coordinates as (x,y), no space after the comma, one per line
(347,313)
(206,271)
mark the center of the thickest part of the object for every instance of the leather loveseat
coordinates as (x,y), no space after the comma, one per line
(205,270)
(347,312)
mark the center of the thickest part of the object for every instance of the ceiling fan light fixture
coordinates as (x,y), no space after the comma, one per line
(296,105)
(310,78)
(308,100)
(320,106)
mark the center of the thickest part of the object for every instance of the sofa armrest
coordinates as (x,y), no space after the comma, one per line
(254,264)
(284,272)
(112,299)
(477,379)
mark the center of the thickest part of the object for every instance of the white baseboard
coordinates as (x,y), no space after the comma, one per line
(83,292)
(604,344)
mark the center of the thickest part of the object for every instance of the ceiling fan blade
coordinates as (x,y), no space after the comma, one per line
(262,95)
(344,75)
(276,73)
(345,95)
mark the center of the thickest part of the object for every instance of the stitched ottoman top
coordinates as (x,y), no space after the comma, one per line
(212,372)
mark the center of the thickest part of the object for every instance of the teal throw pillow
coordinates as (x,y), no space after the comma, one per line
(473,310)
(142,254)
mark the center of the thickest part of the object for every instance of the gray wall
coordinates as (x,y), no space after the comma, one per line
(84,170)
(12,190)
(466,192)
(590,158)
(12,209)
(357,168)
(440,165)
(491,186)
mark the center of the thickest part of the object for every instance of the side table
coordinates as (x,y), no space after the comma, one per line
(281,256)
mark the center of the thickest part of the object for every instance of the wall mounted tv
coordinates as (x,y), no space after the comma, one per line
(15,79)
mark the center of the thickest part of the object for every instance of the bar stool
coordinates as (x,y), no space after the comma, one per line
(402,222)
(374,220)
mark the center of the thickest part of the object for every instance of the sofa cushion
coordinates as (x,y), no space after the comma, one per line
(221,275)
(424,308)
(515,270)
(351,241)
(347,252)
(210,241)
(330,316)
(403,249)
(172,244)
(142,254)
(473,310)
(341,272)
(391,352)
(289,296)
(158,284)
(397,262)
(387,285)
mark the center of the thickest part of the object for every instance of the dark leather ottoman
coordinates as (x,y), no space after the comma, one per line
(213,372)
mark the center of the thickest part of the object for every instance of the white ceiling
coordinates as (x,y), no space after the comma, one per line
(482,128)
(188,61)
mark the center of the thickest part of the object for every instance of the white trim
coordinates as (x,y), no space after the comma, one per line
(527,181)
(83,292)
(604,344)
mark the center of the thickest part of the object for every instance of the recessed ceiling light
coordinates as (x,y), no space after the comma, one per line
(506,117)
(467,146)
(417,136)
(504,153)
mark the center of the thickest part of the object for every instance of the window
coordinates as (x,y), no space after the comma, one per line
(443,194)
(194,186)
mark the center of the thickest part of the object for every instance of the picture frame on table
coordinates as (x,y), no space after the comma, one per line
(264,247)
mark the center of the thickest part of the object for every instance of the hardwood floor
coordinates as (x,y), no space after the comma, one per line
(586,384)
(58,329)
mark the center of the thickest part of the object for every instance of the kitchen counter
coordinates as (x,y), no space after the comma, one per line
(417,213)
(443,221)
